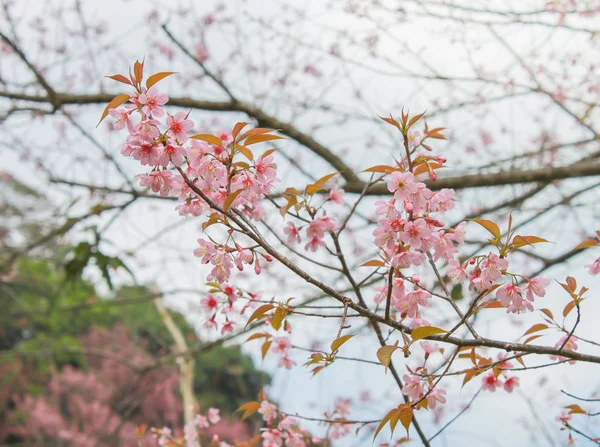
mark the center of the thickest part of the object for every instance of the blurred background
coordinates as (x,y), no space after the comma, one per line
(88,258)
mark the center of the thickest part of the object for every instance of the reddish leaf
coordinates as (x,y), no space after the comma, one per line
(120,78)
(568,308)
(249,409)
(158,77)
(374,263)
(587,244)
(325,178)
(535,328)
(113,104)
(253,139)
(260,312)
(265,348)
(208,138)
(381,169)
(230,199)
(237,129)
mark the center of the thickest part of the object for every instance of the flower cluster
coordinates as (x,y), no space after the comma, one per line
(406,231)
(193,432)
(499,377)
(282,428)
(204,172)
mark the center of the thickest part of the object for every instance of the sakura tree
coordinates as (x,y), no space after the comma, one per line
(417,263)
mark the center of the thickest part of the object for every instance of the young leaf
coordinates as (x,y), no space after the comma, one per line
(490,226)
(114,103)
(249,409)
(158,77)
(414,119)
(312,189)
(587,244)
(426,331)
(568,308)
(575,409)
(325,178)
(548,313)
(374,263)
(384,354)
(265,348)
(391,121)
(280,314)
(521,241)
(230,199)
(338,342)
(381,169)
(535,328)
(383,422)
(237,129)
(208,138)
(120,78)
(259,312)
(258,335)
(138,71)
(244,151)
(253,139)
(406,415)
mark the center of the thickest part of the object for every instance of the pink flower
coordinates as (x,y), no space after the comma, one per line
(210,303)
(594,268)
(179,125)
(442,201)
(429,347)
(510,384)
(336,195)
(122,119)
(415,233)
(171,153)
(412,387)
(402,184)
(564,417)
(292,232)
(272,438)
(265,169)
(456,271)
(213,415)
(286,362)
(268,411)
(205,251)
(492,267)
(437,395)
(570,345)
(158,181)
(201,421)
(281,345)
(511,297)
(227,327)
(314,244)
(490,382)
(536,286)
(152,102)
